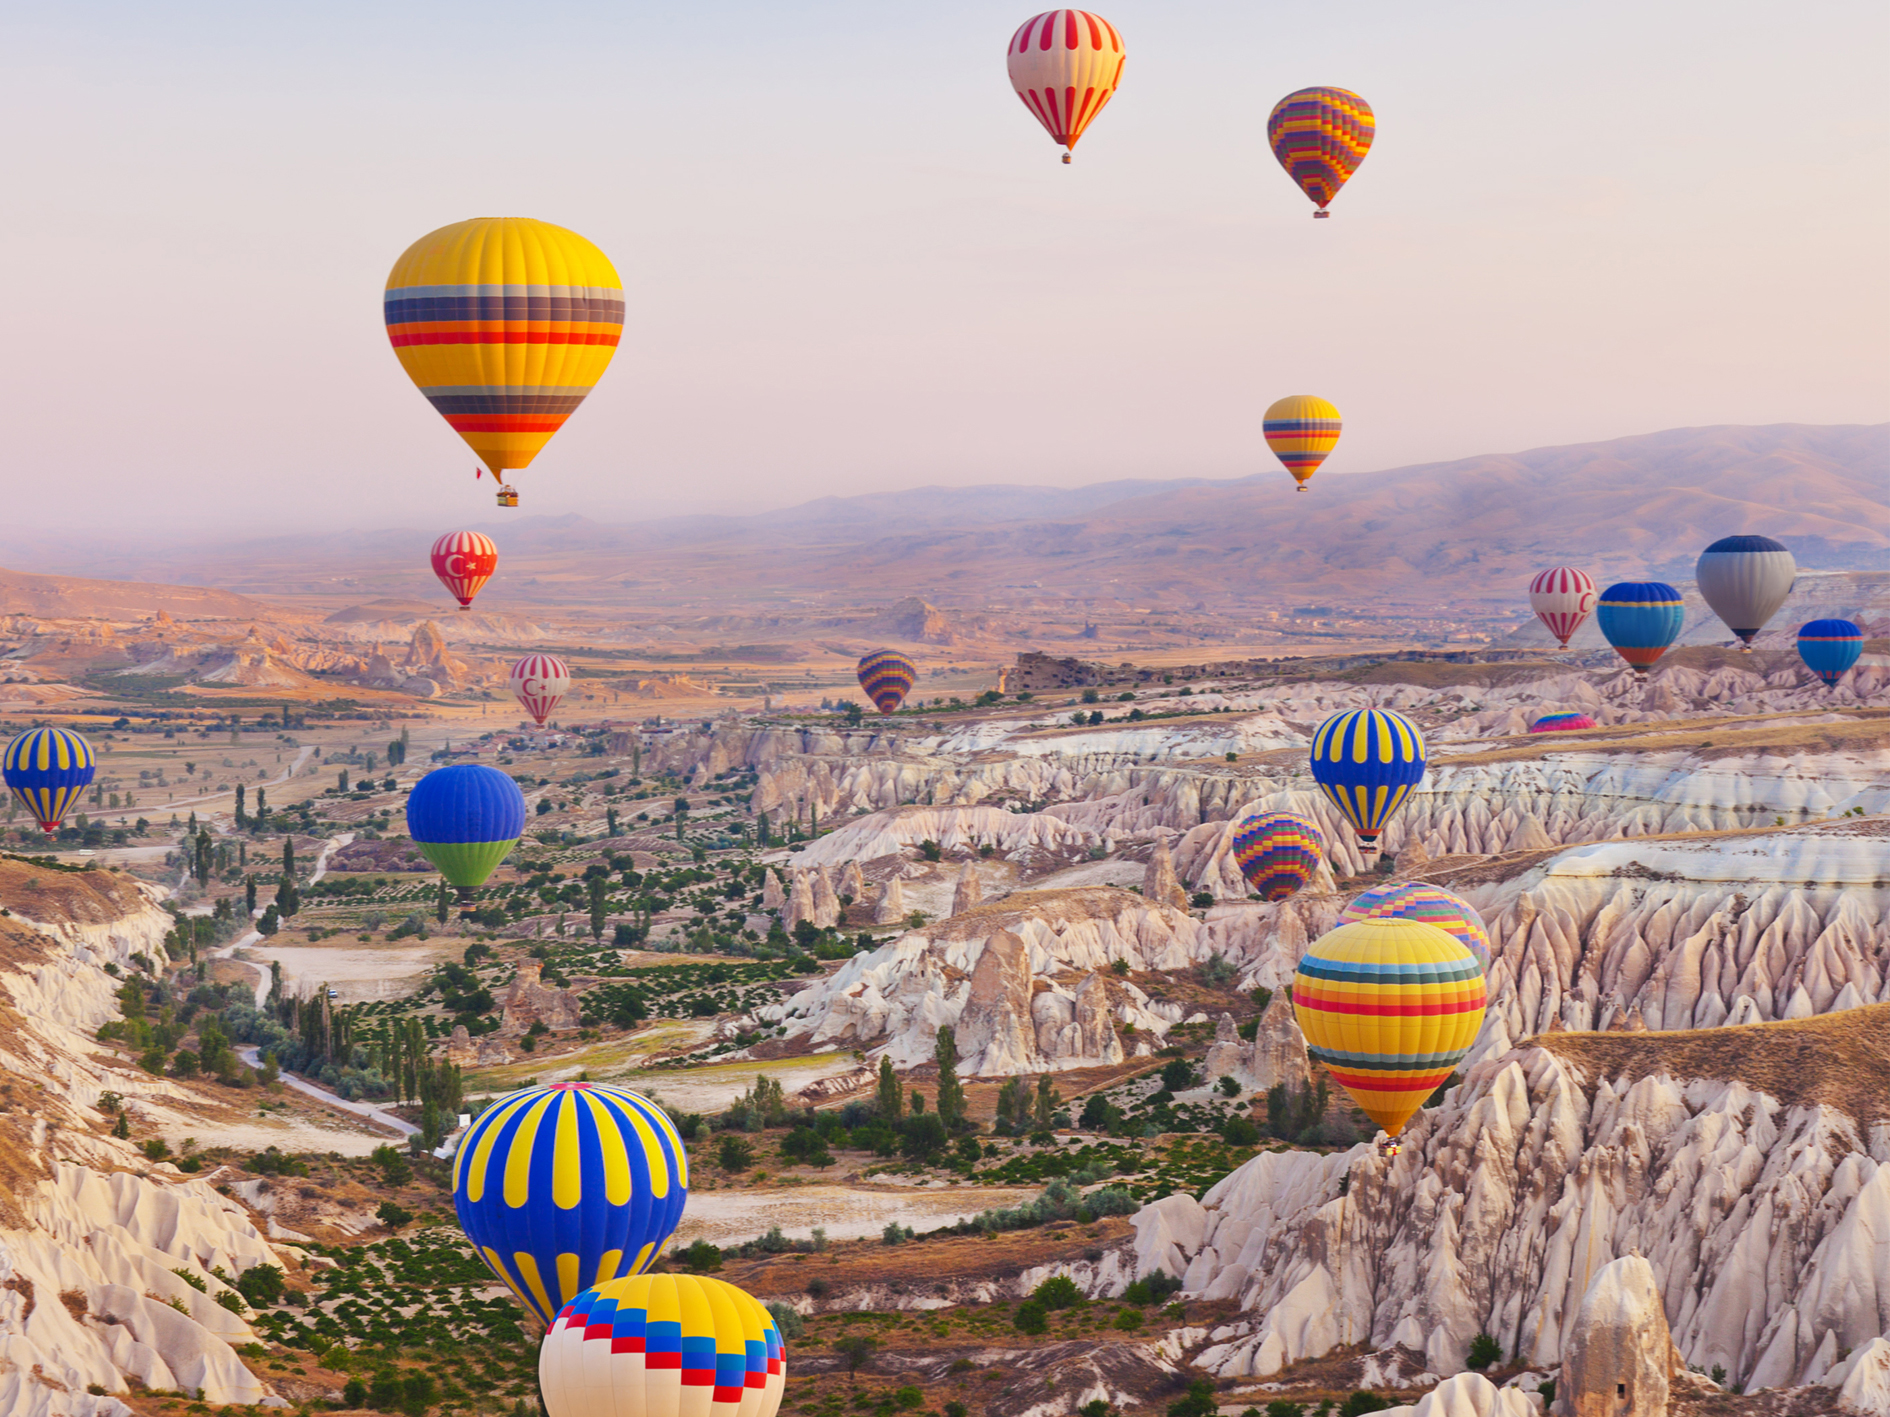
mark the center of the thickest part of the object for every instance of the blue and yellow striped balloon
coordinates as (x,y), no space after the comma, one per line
(561,1188)
(663,1345)
(1367,761)
(48,768)
(1640,619)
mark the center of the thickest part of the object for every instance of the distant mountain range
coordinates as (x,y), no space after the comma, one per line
(1463,532)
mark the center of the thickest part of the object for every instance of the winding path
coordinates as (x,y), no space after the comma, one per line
(251,1054)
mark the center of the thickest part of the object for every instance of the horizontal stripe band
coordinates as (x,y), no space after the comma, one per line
(1372,971)
(501,423)
(1371,1084)
(449,292)
(1426,1008)
(1384,1062)
(608,337)
(563,405)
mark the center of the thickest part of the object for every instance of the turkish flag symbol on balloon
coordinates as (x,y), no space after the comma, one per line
(464,561)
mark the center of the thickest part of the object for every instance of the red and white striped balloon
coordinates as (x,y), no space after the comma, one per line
(464,561)
(1563,599)
(1065,65)
(538,681)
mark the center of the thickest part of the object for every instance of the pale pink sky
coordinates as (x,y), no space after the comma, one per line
(853,263)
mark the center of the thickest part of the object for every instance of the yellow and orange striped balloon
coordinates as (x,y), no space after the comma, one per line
(1390,1007)
(505,324)
(1301,430)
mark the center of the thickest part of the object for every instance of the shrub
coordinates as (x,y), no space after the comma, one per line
(261,1286)
(1031,1317)
(393,1215)
(233,1301)
(786,1319)
(1058,1292)
(1279,1407)
(894,1234)
(1129,1319)
(930,850)
(907,1398)
(703,1257)
(1547,1393)
(1178,1076)
(1361,1402)
(1230,1087)
(1484,1351)
(1198,1401)
(734,1154)
(957,1409)
(1240,1131)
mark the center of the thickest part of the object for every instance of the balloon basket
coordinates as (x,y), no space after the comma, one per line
(507,497)
(1066,159)
(1321,216)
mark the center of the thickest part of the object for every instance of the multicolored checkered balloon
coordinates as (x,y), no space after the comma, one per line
(887,676)
(1278,852)
(663,1345)
(1414,900)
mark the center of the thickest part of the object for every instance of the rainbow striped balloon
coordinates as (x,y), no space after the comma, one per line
(1567,722)
(1301,430)
(505,324)
(1390,1007)
(1278,852)
(1320,136)
(887,677)
(1367,761)
(1433,905)
(48,768)
(561,1188)
(663,1345)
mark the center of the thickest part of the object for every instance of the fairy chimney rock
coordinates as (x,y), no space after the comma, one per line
(891,906)
(772,896)
(1620,1358)
(968,892)
(1159,882)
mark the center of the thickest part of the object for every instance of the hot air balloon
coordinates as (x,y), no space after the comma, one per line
(1828,647)
(1320,136)
(1278,852)
(1367,761)
(887,677)
(1563,599)
(1065,65)
(1566,722)
(566,1187)
(48,768)
(464,561)
(1640,619)
(539,681)
(1745,579)
(1301,430)
(1430,905)
(505,324)
(1390,1007)
(663,1345)
(464,819)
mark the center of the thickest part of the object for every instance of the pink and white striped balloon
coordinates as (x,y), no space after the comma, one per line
(1563,599)
(538,681)
(1065,65)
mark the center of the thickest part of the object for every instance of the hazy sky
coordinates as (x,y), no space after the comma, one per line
(852,261)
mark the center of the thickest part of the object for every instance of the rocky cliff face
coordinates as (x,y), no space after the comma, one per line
(1751,1168)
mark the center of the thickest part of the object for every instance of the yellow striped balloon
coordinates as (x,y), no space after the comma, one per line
(561,1188)
(48,769)
(1301,430)
(663,1345)
(1390,1007)
(505,324)
(1367,761)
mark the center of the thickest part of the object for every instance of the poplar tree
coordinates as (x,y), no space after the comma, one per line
(891,1096)
(951,1093)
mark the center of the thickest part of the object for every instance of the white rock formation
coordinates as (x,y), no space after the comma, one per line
(968,891)
(1620,1356)
(772,896)
(1159,883)
(1863,1379)
(852,883)
(1473,1395)
(890,908)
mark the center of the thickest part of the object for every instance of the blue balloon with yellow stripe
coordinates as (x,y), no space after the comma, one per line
(561,1188)
(663,1345)
(48,769)
(1367,761)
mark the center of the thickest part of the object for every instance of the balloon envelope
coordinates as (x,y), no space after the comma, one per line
(1432,905)
(1561,723)
(1301,430)
(1390,1007)
(1745,579)
(1278,852)
(465,819)
(1320,136)
(48,768)
(1563,599)
(1640,619)
(505,324)
(1367,761)
(539,682)
(887,677)
(464,561)
(564,1187)
(1829,647)
(1065,65)
(663,1345)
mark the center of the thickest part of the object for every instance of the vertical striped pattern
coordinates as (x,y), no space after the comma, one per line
(887,677)
(1563,599)
(464,561)
(1566,722)
(1278,852)
(1745,579)
(539,681)
(1640,619)
(1320,136)
(1301,430)
(1065,65)
(663,1345)
(1829,648)
(1431,905)
(1390,1007)
(48,768)
(567,1186)
(505,324)
(1367,761)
